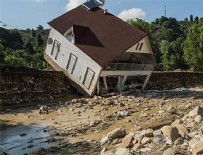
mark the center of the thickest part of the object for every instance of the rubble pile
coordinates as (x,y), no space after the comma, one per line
(183,136)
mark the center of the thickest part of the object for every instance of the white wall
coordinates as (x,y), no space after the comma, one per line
(146,48)
(83,60)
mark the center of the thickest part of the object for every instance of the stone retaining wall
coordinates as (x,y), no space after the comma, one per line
(24,85)
(172,80)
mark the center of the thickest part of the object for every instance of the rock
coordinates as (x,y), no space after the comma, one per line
(183,131)
(23,134)
(94,123)
(30,146)
(145,149)
(169,151)
(39,151)
(43,110)
(179,141)
(193,142)
(127,141)
(198,119)
(104,140)
(164,147)
(197,148)
(147,133)
(122,113)
(196,111)
(117,133)
(106,152)
(178,121)
(170,132)
(136,147)
(123,151)
(157,132)
(145,140)
(158,139)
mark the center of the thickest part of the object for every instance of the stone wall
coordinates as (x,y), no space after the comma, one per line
(172,80)
(24,85)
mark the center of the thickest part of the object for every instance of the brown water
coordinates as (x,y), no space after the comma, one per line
(32,138)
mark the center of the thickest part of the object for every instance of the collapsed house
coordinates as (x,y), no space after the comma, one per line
(92,46)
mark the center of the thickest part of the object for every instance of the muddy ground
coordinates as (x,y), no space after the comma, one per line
(75,125)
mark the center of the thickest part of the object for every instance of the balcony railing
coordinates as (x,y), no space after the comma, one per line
(129,67)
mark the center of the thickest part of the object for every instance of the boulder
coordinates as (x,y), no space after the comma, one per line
(145,140)
(43,110)
(193,141)
(104,140)
(158,139)
(179,141)
(196,111)
(127,141)
(182,130)
(169,151)
(198,119)
(136,147)
(117,133)
(170,132)
(197,148)
(147,133)
(178,121)
(123,151)
(106,152)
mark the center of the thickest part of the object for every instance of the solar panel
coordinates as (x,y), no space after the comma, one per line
(90,4)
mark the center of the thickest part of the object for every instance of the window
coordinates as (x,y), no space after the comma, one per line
(70,36)
(71,63)
(55,49)
(139,46)
(89,76)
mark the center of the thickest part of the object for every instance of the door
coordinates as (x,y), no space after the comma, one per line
(71,63)
(89,76)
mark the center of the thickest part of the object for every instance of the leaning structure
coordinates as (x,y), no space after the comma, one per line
(92,46)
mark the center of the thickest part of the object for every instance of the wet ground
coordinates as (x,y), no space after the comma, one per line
(75,126)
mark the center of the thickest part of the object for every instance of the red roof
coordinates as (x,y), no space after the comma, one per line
(101,36)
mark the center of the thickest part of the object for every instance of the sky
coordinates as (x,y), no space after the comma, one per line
(23,14)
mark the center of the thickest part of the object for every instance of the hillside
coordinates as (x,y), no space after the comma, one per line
(176,44)
(23,47)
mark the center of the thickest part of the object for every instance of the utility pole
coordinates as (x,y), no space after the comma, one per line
(165,10)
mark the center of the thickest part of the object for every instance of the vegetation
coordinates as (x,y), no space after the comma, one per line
(23,47)
(176,44)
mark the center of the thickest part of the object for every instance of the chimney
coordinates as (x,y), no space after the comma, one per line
(105,11)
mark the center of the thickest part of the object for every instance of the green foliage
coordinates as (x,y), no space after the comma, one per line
(23,47)
(176,44)
(193,46)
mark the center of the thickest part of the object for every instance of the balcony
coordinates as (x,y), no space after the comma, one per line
(128,67)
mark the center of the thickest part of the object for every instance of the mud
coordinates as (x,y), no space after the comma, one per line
(75,125)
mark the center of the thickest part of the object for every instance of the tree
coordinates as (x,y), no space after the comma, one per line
(172,54)
(2,54)
(39,40)
(33,33)
(29,48)
(191,18)
(193,47)
(40,28)
(141,24)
